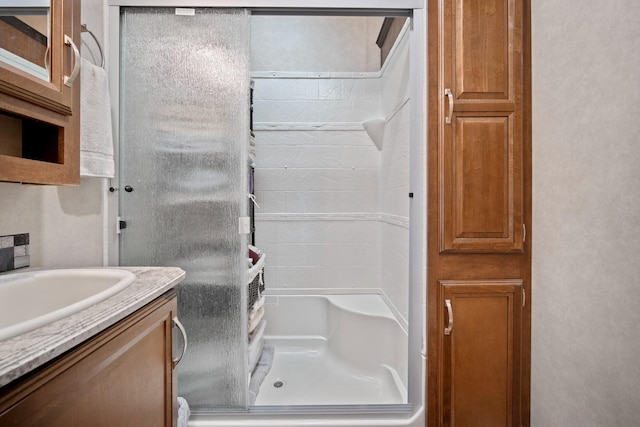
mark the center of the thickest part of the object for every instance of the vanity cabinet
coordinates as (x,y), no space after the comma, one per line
(123,376)
(479,213)
(40,94)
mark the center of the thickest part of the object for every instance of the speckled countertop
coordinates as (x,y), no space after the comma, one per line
(26,352)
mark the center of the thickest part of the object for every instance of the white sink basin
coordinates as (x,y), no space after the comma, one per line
(33,299)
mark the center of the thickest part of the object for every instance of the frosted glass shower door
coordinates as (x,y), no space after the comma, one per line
(184,117)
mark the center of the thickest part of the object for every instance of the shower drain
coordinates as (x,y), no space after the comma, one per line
(278,384)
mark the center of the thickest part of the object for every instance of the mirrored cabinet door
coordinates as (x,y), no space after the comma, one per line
(39,60)
(24,37)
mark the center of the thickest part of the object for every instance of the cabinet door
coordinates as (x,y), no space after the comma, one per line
(481,353)
(122,377)
(54,90)
(39,118)
(481,201)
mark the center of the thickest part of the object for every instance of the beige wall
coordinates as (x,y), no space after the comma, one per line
(586,213)
(65,223)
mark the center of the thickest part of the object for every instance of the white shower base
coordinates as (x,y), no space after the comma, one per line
(334,350)
(305,372)
(330,350)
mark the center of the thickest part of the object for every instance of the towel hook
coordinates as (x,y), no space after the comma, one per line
(84,29)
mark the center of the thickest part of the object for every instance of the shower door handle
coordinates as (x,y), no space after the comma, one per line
(447,330)
(176,323)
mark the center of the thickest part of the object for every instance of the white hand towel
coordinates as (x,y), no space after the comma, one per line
(96,140)
(184,412)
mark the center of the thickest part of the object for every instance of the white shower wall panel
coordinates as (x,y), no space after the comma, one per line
(326,277)
(293,134)
(394,265)
(317,201)
(396,76)
(394,177)
(305,97)
(323,156)
(320,253)
(332,231)
(316,180)
(314,158)
(294,86)
(285,89)
(394,165)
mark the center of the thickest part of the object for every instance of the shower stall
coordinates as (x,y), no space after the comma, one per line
(219,155)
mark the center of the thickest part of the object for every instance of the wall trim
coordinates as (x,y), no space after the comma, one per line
(314,75)
(308,126)
(310,216)
(400,221)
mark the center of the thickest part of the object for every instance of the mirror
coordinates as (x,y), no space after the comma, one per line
(24,35)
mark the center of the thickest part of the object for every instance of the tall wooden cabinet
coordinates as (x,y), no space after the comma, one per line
(479,213)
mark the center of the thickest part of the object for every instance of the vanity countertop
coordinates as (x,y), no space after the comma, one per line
(23,353)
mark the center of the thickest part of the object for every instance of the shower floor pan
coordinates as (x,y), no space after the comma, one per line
(333,350)
(305,372)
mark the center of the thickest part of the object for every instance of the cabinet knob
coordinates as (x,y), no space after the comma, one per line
(128,188)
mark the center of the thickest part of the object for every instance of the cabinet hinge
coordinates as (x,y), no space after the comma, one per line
(524,298)
(524,233)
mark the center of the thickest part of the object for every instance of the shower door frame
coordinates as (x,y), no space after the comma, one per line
(416,10)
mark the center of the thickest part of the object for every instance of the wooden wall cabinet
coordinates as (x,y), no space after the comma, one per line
(479,213)
(481,145)
(124,376)
(40,132)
